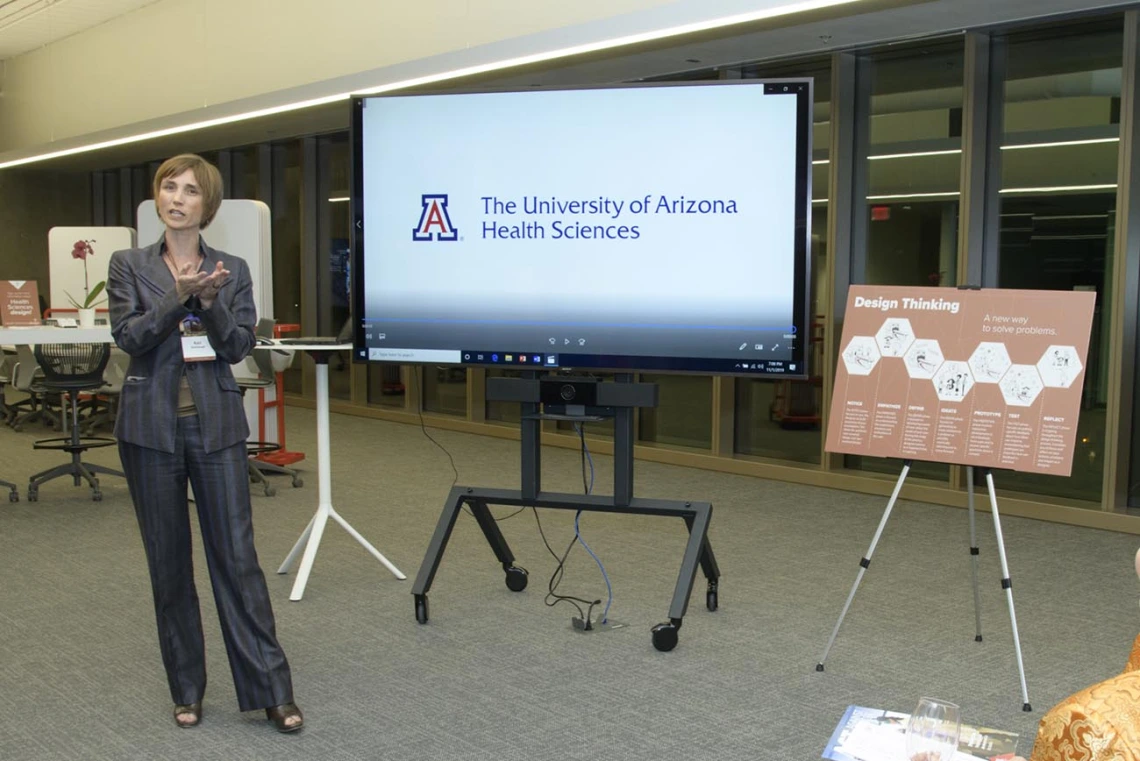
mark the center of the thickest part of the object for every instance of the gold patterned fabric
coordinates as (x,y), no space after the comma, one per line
(1099,723)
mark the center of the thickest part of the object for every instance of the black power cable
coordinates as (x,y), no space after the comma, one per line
(552,597)
(442,448)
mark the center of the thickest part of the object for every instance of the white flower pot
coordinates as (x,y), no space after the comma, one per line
(87,318)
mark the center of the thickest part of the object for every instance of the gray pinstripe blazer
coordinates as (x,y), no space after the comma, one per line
(145,314)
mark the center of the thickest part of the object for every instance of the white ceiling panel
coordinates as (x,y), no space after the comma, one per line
(29,24)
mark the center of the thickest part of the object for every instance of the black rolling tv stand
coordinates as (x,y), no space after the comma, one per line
(566,398)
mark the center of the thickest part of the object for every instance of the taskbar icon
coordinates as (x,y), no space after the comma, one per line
(514,358)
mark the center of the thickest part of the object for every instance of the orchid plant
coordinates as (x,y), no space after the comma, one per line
(81,250)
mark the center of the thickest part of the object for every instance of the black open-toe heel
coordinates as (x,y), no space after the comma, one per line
(187,715)
(281,714)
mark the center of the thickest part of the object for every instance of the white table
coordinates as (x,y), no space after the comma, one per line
(310,538)
(51,334)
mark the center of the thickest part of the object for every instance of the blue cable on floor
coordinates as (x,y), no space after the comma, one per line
(578,534)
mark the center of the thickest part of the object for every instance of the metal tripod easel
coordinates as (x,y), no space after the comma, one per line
(1005,580)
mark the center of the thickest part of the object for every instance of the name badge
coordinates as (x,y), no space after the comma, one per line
(195,343)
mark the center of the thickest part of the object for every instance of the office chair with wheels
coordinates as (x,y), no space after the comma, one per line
(266,378)
(5,369)
(29,400)
(14,494)
(7,360)
(70,369)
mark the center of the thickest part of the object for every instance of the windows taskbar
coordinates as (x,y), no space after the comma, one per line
(553,361)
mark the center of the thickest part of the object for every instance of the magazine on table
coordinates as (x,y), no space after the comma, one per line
(872,734)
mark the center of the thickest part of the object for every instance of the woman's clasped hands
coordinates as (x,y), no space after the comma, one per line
(193,282)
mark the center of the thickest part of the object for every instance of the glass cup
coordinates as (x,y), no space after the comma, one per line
(932,731)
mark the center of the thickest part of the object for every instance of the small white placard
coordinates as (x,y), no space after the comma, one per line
(197,348)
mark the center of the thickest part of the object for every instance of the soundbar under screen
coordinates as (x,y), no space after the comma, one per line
(643,228)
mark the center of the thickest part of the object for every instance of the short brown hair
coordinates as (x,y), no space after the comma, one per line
(208,177)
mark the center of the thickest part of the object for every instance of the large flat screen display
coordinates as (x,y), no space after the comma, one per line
(656,227)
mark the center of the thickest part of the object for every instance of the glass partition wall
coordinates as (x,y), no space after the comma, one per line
(1059,89)
(1060,143)
(913,177)
(783,419)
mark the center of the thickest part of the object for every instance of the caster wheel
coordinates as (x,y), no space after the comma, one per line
(14,496)
(421,609)
(710,600)
(97,496)
(270,491)
(664,636)
(298,483)
(516,578)
(33,496)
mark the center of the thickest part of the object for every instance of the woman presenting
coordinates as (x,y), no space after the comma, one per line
(184,313)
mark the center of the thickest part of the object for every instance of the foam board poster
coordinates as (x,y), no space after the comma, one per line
(989,378)
(19,303)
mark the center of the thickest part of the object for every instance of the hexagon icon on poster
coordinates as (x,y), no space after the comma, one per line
(1021,385)
(861,355)
(989,362)
(894,337)
(1059,366)
(923,358)
(953,381)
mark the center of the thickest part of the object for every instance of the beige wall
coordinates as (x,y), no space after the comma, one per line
(34,202)
(180,56)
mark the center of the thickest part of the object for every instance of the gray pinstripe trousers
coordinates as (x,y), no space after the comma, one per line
(157,482)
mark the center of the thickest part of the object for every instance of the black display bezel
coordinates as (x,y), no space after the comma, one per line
(801,88)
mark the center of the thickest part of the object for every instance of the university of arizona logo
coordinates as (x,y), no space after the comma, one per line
(435,224)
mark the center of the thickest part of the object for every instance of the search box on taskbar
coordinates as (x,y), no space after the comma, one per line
(414,355)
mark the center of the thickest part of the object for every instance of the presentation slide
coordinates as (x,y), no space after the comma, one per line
(989,378)
(620,222)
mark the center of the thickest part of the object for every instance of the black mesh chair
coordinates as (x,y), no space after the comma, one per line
(5,369)
(31,400)
(71,369)
(7,360)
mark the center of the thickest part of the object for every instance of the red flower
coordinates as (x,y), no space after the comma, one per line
(82,249)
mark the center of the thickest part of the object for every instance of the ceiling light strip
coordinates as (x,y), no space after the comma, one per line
(1069,216)
(916,154)
(174,130)
(1059,189)
(1100,236)
(953,151)
(1061,143)
(899,196)
(466,71)
(955,193)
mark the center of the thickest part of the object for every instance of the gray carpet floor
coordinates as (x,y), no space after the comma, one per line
(498,675)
